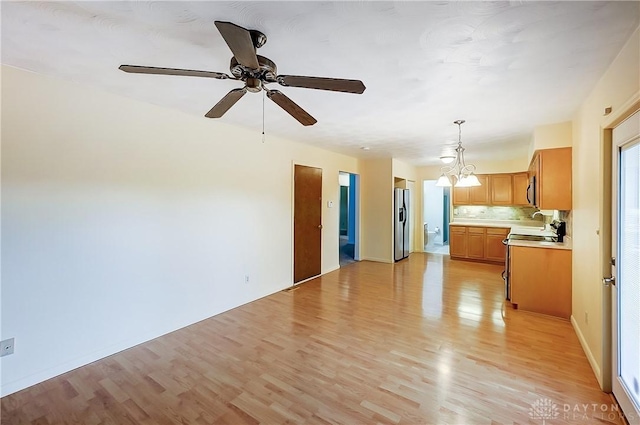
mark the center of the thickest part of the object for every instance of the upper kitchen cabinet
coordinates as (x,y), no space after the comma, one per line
(476,195)
(501,189)
(479,195)
(551,171)
(494,189)
(460,195)
(520,184)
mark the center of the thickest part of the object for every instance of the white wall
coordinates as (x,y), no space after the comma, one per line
(122,221)
(619,88)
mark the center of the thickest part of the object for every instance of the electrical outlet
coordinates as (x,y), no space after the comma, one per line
(6,347)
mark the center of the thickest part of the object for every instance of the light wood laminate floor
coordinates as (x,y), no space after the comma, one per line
(424,341)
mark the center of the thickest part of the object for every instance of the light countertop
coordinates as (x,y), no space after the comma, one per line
(565,244)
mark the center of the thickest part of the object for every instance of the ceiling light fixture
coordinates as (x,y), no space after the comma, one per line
(462,172)
(447,159)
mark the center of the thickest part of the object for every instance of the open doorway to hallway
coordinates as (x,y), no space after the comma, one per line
(436,213)
(349,251)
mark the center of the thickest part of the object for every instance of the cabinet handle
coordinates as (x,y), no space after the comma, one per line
(528,200)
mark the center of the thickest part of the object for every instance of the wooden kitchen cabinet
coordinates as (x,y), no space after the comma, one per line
(495,250)
(520,185)
(494,189)
(477,243)
(476,195)
(479,195)
(501,187)
(541,280)
(460,196)
(458,241)
(552,169)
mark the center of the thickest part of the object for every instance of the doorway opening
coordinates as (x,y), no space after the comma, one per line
(436,216)
(348,228)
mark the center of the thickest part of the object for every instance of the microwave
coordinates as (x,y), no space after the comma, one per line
(531,191)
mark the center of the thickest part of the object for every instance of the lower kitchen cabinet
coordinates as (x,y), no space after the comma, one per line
(495,250)
(541,280)
(477,243)
(458,241)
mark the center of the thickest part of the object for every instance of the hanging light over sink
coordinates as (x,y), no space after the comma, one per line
(458,170)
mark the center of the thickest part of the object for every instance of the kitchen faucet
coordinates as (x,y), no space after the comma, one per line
(534,216)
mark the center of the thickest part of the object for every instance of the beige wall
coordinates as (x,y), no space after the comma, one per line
(619,88)
(551,136)
(376,183)
(122,221)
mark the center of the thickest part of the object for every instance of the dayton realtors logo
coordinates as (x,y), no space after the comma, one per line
(546,410)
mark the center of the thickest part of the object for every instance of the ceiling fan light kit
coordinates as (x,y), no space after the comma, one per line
(459,170)
(256,72)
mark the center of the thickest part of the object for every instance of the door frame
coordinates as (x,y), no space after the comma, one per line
(354,178)
(606,133)
(624,402)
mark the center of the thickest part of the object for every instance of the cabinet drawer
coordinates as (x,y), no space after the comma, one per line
(498,231)
(476,230)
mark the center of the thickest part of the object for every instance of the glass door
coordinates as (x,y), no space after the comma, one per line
(625,295)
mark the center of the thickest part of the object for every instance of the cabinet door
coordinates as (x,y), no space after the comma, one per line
(475,242)
(460,195)
(501,189)
(520,184)
(541,280)
(479,195)
(554,179)
(495,250)
(458,241)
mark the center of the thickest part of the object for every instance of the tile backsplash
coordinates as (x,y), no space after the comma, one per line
(495,213)
(510,213)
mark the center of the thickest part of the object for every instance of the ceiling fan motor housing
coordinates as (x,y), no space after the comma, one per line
(267,71)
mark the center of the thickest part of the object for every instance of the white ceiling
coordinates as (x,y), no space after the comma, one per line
(504,67)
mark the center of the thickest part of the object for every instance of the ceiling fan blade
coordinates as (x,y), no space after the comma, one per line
(291,107)
(225,103)
(240,42)
(172,71)
(321,83)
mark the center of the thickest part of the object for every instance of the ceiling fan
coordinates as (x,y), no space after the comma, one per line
(256,72)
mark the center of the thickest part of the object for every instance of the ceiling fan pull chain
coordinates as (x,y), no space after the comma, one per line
(263,95)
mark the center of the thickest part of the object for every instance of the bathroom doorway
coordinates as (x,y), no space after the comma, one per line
(348,218)
(436,216)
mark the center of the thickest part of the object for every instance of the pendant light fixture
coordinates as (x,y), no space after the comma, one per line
(458,170)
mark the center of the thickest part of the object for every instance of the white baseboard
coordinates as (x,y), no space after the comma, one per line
(592,361)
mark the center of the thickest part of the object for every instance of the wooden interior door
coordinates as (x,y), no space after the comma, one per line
(307,222)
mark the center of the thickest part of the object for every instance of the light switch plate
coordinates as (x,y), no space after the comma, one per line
(6,347)
(330,204)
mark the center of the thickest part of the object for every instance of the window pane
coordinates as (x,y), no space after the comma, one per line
(629,271)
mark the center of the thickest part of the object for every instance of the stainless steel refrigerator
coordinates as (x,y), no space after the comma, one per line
(401,223)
